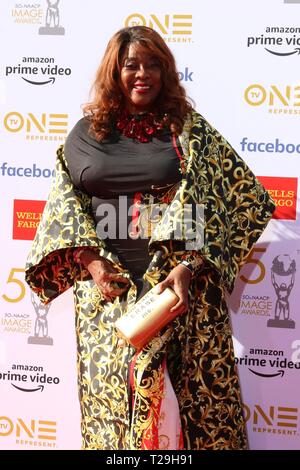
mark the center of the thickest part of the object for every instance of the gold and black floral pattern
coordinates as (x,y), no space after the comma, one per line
(198,344)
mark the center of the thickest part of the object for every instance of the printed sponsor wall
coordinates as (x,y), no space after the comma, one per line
(239,63)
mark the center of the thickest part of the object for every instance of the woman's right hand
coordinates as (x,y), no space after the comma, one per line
(109,281)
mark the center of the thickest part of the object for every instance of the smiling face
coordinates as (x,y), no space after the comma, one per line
(140,79)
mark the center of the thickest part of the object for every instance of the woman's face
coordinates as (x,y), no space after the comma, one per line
(140,79)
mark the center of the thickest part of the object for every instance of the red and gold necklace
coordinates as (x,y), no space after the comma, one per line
(141,127)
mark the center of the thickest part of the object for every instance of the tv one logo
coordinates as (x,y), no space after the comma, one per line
(272,419)
(287,98)
(176,25)
(29,429)
(42,125)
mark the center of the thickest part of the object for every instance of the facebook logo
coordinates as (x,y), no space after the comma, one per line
(186,76)
(29,172)
(275,146)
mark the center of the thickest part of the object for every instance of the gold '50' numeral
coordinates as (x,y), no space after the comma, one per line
(252,260)
(21,286)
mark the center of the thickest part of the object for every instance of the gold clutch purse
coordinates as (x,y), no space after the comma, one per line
(149,315)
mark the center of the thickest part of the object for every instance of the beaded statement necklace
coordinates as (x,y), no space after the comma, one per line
(141,127)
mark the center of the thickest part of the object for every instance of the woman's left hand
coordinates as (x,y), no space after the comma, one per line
(179,280)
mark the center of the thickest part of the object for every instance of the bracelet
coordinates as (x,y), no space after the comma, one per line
(195,260)
(188,265)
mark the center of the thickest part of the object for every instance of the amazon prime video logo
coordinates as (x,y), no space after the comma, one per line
(267,363)
(28,378)
(37,70)
(280,41)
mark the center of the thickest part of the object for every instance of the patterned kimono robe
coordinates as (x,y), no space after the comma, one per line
(121,390)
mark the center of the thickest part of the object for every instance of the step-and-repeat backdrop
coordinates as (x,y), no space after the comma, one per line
(239,61)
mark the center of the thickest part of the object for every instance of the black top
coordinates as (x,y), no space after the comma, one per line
(120,166)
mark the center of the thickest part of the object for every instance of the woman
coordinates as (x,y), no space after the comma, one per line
(142,144)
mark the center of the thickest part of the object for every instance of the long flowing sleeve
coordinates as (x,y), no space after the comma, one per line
(67,222)
(237,207)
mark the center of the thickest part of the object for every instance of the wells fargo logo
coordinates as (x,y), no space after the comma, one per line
(284,99)
(284,193)
(272,419)
(37,127)
(40,433)
(174,28)
(27,216)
